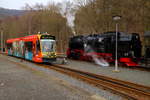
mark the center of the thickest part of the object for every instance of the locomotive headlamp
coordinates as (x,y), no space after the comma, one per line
(85,45)
(100,39)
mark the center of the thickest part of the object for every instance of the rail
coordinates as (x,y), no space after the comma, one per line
(124,88)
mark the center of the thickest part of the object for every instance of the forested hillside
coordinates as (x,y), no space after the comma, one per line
(91,16)
(38,19)
(10,12)
(96,16)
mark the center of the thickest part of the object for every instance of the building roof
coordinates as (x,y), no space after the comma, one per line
(147,33)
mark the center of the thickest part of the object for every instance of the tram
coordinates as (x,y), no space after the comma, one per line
(37,48)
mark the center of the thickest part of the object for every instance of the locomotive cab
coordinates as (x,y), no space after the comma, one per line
(76,47)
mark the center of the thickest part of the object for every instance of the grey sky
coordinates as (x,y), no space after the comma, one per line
(18,4)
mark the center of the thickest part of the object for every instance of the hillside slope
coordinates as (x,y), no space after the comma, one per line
(10,12)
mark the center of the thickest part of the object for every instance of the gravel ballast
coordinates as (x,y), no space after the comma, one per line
(89,92)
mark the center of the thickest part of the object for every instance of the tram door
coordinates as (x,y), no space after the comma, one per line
(28,50)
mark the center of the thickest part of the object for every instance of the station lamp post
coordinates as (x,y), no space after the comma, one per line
(116,19)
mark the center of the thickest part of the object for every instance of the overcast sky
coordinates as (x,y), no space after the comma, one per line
(18,4)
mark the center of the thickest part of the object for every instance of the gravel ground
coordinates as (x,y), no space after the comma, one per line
(127,74)
(71,89)
(19,82)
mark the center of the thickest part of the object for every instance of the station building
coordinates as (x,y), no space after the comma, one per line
(147,44)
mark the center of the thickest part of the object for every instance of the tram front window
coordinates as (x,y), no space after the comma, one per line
(48,45)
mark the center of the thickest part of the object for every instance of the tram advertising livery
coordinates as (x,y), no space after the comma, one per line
(38,48)
(103,46)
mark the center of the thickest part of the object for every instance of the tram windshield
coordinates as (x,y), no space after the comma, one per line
(48,45)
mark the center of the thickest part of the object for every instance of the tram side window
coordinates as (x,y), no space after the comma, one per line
(28,46)
(9,45)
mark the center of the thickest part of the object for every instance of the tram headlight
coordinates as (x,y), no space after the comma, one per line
(49,54)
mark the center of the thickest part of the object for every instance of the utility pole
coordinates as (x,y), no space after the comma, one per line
(1,41)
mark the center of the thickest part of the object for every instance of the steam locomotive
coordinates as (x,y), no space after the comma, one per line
(103,46)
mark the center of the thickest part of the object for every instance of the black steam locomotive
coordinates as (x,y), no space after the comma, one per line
(104,46)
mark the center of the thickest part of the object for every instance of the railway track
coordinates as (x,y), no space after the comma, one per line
(129,90)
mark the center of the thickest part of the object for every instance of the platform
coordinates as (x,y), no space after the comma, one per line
(127,74)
